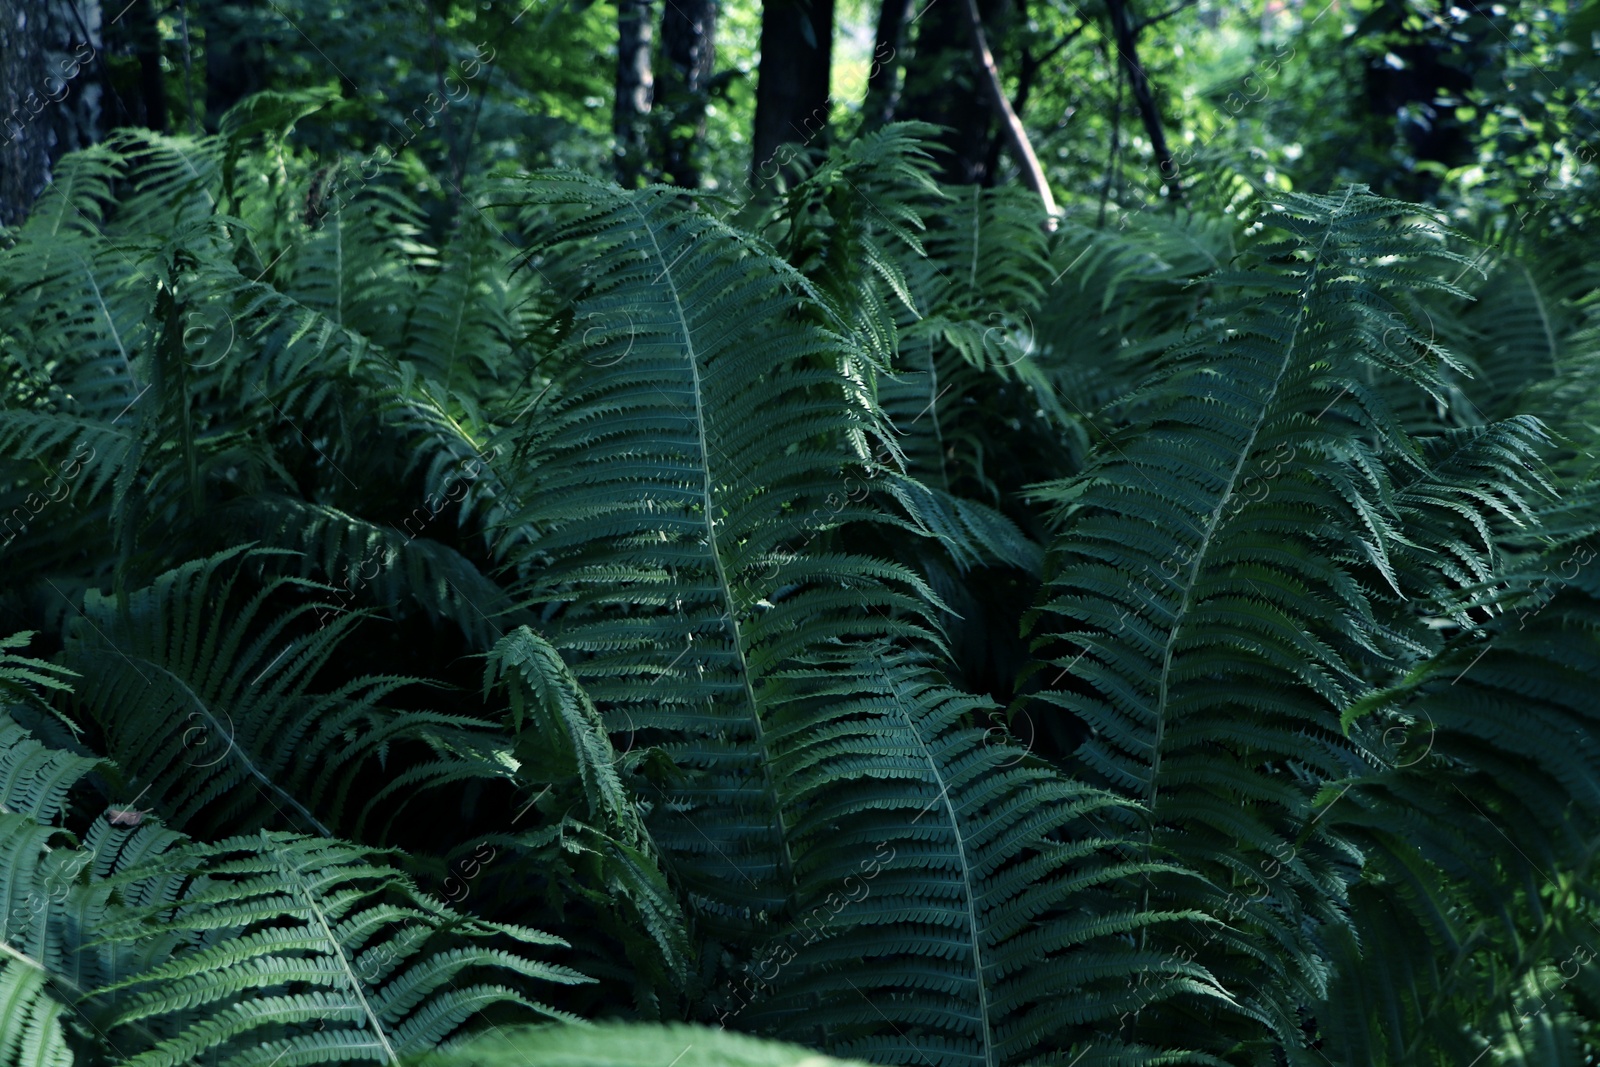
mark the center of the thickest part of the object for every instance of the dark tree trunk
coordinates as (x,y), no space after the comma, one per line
(1128,52)
(946,86)
(688,43)
(792,91)
(634,92)
(883,77)
(49,100)
(235,60)
(138,91)
(1011,128)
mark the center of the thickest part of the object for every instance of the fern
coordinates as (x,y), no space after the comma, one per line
(268,946)
(292,946)
(966,866)
(702,436)
(607,854)
(1219,568)
(1490,783)
(621,1045)
(221,720)
(730,531)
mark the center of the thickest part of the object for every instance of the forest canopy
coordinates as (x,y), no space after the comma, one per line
(974,533)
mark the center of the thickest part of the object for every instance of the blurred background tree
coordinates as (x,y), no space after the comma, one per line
(1468,105)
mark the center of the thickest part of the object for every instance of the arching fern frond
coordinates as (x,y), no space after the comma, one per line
(206,694)
(960,902)
(297,949)
(1245,561)
(704,437)
(1491,781)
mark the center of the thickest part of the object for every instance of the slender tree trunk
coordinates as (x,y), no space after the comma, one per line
(883,77)
(1127,51)
(1114,155)
(49,100)
(235,59)
(688,41)
(946,85)
(635,90)
(142,101)
(1028,67)
(792,90)
(1010,125)
(152,85)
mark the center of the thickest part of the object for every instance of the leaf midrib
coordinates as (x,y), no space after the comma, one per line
(335,949)
(1212,524)
(966,873)
(244,759)
(708,504)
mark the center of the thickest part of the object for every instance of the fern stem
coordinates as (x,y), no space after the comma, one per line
(335,947)
(254,771)
(709,505)
(22,957)
(989,1057)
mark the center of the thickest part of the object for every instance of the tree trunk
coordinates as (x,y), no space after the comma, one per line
(140,100)
(945,85)
(1010,124)
(235,60)
(1127,51)
(635,90)
(49,101)
(883,77)
(688,40)
(792,91)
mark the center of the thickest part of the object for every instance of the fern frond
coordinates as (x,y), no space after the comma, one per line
(1217,567)
(1491,780)
(301,947)
(702,440)
(978,871)
(206,695)
(626,1045)
(562,741)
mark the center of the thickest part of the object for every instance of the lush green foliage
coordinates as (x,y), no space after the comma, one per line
(862,617)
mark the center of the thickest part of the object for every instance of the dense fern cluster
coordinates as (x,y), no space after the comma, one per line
(868,619)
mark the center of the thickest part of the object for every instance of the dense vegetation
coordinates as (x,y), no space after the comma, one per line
(463,608)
